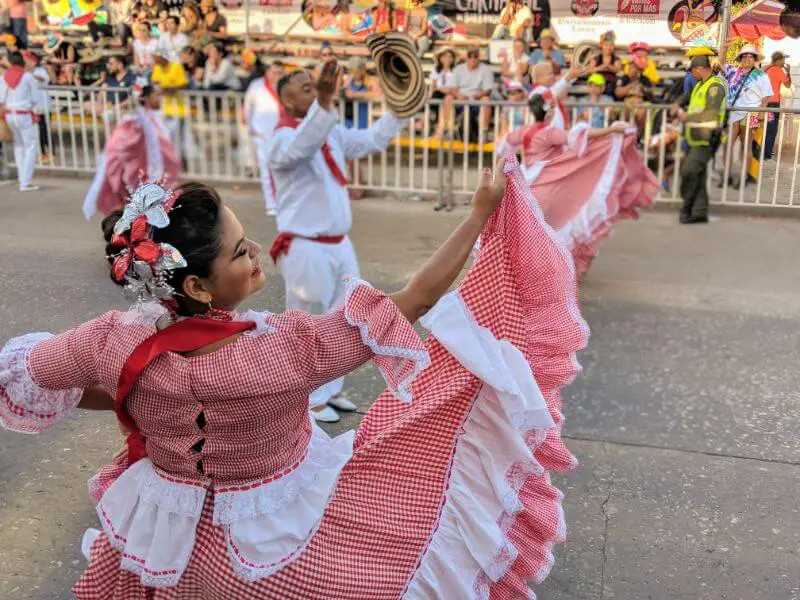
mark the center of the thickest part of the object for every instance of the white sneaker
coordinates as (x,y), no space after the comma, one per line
(28,188)
(271,212)
(342,403)
(326,415)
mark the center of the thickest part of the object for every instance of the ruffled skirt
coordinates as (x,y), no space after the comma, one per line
(448,496)
(584,192)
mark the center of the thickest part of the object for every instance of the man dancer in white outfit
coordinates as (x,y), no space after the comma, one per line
(21,99)
(306,156)
(262,111)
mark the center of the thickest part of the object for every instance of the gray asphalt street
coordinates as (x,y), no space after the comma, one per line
(685,419)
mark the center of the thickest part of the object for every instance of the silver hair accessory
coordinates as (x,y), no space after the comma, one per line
(144,265)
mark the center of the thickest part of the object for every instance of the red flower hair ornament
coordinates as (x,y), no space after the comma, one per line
(144,265)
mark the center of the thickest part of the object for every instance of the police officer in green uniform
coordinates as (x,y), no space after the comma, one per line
(702,112)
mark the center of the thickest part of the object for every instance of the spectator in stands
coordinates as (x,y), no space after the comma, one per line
(635,89)
(383,17)
(190,18)
(359,86)
(120,17)
(143,47)
(213,23)
(192,64)
(748,87)
(18,16)
(171,77)
(473,81)
(607,64)
(516,64)
(253,67)
(155,11)
(172,41)
(515,22)
(419,29)
(443,88)
(547,51)
(61,56)
(779,75)
(11,47)
(641,58)
(634,85)
(42,77)
(219,73)
(360,90)
(595,115)
(117,81)
(512,117)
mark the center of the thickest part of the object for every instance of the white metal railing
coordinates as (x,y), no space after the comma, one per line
(433,156)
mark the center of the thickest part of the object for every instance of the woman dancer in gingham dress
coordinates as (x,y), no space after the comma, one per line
(231,491)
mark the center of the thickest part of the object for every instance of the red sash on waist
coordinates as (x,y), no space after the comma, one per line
(184,336)
(292,123)
(283,242)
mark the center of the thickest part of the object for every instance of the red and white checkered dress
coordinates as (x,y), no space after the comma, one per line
(584,186)
(445,496)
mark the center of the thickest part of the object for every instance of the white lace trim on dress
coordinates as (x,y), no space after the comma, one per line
(493,459)
(405,363)
(269,525)
(151,517)
(24,406)
(596,210)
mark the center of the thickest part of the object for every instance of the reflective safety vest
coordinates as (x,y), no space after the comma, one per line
(698,133)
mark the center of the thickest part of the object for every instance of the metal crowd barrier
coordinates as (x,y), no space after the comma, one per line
(433,156)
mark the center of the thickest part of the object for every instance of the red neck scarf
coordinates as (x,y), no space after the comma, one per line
(184,336)
(293,123)
(13,76)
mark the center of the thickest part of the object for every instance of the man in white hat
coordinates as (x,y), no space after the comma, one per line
(307,156)
(748,87)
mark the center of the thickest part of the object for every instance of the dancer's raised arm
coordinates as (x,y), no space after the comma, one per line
(440,271)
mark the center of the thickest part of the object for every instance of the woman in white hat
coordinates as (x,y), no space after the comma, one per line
(748,87)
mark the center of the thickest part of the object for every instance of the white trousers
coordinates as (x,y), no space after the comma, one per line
(316,275)
(26,146)
(266,177)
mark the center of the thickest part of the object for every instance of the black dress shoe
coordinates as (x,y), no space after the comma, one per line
(692,220)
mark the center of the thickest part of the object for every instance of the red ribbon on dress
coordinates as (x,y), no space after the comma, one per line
(293,123)
(283,242)
(184,336)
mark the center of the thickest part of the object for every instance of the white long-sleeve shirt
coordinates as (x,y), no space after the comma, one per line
(310,201)
(26,96)
(261,110)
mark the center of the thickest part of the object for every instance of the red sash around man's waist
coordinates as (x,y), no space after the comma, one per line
(283,242)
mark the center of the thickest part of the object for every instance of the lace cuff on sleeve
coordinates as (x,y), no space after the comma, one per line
(399,352)
(24,406)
